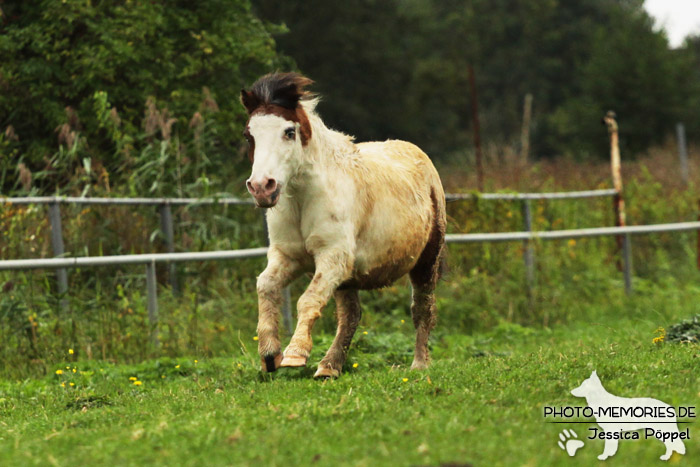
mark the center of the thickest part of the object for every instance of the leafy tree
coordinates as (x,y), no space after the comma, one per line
(55,55)
(399,69)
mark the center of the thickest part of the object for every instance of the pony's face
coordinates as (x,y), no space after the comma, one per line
(274,150)
(277,131)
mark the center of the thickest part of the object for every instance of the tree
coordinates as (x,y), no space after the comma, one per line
(54,57)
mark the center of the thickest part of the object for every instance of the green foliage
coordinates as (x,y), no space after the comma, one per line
(399,69)
(57,59)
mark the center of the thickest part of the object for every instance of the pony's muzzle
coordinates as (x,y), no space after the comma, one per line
(265,191)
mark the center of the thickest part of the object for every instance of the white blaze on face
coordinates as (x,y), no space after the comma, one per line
(275,150)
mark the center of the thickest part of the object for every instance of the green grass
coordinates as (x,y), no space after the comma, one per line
(480,403)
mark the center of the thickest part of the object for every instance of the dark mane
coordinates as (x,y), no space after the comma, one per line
(282,89)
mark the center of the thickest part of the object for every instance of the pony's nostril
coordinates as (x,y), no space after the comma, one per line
(270,185)
(249,185)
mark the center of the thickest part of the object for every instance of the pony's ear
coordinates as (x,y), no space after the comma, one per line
(594,375)
(249,101)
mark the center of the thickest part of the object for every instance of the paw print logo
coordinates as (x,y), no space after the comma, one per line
(569,442)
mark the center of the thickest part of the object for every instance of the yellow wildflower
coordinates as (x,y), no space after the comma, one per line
(355,365)
(177,366)
(70,351)
(196,361)
(74,370)
(405,380)
(255,338)
(364,332)
(162,376)
(59,372)
(63,385)
(72,384)
(133,378)
(137,383)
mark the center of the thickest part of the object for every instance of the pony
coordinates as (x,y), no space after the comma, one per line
(356,216)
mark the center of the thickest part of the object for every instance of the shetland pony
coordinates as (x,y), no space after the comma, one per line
(357,216)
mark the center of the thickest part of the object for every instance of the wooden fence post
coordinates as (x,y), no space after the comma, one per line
(525,134)
(477,131)
(682,152)
(615,165)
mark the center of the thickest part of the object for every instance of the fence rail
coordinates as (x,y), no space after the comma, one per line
(148,258)
(530,196)
(238,201)
(573,233)
(125,201)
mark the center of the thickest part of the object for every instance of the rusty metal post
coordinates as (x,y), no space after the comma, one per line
(477,131)
(529,252)
(58,250)
(627,256)
(166,226)
(615,165)
(152,292)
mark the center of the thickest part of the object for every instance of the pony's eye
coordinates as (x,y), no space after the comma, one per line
(290,133)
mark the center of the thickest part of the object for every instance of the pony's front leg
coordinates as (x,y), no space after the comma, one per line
(280,271)
(332,268)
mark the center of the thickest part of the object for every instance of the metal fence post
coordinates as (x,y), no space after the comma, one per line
(152,290)
(627,254)
(166,226)
(286,294)
(58,248)
(529,252)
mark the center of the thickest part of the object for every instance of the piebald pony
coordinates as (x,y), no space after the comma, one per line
(358,216)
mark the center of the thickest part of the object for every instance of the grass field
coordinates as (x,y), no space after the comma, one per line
(481,403)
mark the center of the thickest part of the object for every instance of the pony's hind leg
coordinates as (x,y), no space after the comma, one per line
(424,315)
(349,313)
(424,277)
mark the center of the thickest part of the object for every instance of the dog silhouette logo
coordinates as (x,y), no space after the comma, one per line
(622,417)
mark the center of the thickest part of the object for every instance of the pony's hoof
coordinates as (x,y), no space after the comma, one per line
(271,363)
(326,372)
(293,361)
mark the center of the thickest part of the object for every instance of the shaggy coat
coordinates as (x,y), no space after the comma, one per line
(357,216)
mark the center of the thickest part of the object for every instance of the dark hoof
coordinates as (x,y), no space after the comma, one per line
(271,362)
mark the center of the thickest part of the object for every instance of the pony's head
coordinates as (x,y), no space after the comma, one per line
(277,130)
